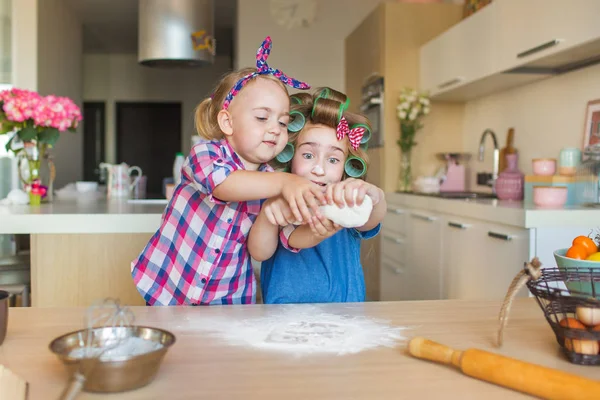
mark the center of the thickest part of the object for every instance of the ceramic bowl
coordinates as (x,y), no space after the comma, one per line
(563,261)
(549,196)
(544,166)
(86,187)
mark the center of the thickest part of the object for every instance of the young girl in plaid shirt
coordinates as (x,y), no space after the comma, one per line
(199,255)
(319,262)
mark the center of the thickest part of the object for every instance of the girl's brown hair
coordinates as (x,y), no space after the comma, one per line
(326,106)
(205,115)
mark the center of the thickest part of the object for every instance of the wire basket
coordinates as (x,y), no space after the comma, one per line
(559,302)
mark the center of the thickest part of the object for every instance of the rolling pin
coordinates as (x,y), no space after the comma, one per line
(524,377)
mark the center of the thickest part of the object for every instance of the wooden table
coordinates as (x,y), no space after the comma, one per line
(202,367)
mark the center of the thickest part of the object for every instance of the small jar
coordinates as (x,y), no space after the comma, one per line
(570,158)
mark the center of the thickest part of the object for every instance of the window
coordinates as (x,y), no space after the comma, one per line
(5,42)
(5,58)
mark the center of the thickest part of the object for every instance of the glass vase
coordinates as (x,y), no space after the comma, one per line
(37,172)
(405,177)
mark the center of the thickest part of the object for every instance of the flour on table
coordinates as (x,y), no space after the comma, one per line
(300,330)
(131,346)
(349,217)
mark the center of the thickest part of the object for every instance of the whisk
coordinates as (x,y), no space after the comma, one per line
(107,313)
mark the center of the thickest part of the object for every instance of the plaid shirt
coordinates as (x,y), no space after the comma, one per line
(199,255)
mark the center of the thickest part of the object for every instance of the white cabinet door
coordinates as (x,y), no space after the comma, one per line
(423,263)
(506,250)
(462,54)
(481,259)
(393,276)
(559,25)
(395,219)
(459,238)
(395,285)
(440,65)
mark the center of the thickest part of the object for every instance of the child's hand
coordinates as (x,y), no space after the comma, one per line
(323,227)
(337,192)
(278,211)
(301,194)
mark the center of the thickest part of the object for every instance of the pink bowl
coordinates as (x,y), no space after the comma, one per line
(544,166)
(549,196)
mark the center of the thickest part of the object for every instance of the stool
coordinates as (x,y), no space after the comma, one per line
(15,290)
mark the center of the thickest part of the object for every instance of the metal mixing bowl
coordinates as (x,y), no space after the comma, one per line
(117,374)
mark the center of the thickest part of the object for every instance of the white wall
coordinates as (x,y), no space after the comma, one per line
(547,115)
(314,54)
(59,72)
(118,77)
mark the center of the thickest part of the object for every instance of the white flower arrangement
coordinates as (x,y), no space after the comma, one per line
(412,107)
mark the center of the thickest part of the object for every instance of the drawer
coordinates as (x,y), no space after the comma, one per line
(393,246)
(393,281)
(395,219)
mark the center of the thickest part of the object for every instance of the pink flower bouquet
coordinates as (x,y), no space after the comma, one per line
(37,121)
(36,118)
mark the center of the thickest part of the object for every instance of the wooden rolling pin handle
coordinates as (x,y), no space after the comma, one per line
(546,383)
(429,350)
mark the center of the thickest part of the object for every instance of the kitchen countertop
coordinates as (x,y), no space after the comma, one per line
(199,365)
(72,216)
(123,216)
(498,211)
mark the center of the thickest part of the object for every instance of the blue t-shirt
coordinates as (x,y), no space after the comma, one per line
(330,272)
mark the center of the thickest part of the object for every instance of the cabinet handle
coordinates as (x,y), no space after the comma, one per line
(451,82)
(458,225)
(427,218)
(395,210)
(539,48)
(395,270)
(393,239)
(501,236)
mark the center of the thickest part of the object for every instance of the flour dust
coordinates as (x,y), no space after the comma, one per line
(129,347)
(301,330)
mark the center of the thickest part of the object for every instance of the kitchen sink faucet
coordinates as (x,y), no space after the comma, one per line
(489,181)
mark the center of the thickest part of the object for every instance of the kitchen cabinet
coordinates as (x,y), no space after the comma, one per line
(424,258)
(411,266)
(459,260)
(429,255)
(505,250)
(450,60)
(482,244)
(394,281)
(497,48)
(560,26)
(480,259)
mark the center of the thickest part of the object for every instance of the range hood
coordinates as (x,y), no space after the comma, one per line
(176,33)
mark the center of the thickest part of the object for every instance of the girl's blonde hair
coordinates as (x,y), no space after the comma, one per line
(326,106)
(205,115)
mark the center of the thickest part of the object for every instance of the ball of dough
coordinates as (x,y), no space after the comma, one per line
(349,217)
